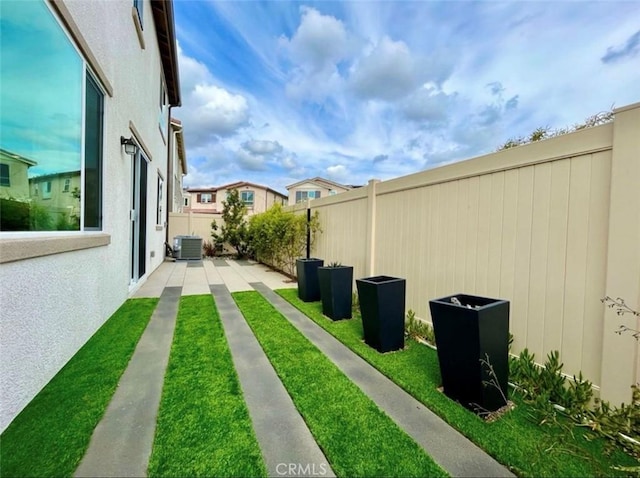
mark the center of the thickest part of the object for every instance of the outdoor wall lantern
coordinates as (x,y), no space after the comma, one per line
(130,147)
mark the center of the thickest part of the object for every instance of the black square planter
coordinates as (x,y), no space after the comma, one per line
(308,285)
(467,337)
(382,302)
(336,287)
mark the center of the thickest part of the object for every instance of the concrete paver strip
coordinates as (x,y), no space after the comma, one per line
(213,276)
(282,433)
(195,281)
(271,278)
(177,275)
(243,271)
(449,448)
(121,443)
(156,282)
(233,280)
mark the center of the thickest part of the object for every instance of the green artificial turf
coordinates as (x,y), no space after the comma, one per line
(203,425)
(515,440)
(50,436)
(357,438)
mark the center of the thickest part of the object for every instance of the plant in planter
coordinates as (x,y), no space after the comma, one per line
(308,284)
(472,336)
(336,285)
(382,303)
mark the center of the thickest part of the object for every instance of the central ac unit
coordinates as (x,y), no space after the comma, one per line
(187,247)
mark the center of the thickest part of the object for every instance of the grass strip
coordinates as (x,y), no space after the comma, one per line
(203,425)
(516,440)
(357,438)
(51,435)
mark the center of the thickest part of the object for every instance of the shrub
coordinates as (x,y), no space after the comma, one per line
(277,237)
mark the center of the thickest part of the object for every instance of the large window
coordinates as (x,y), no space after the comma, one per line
(304,195)
(205,198)
(247,198)
(5,177)
(51,114)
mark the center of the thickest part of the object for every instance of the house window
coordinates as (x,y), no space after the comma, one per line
(186,202)
(138,4)
(304,195)
(164,108)
(46,190)
(247,198)
(159,218)
(94,113)
(5,179)
(205,198)
(37,51)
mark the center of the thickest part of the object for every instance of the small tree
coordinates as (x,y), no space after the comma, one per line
(234,230)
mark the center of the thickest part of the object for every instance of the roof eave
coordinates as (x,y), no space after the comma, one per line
(165,33)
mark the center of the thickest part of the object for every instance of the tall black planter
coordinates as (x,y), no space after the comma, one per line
(308,285)
(468,340)
(336,285)
(382,302)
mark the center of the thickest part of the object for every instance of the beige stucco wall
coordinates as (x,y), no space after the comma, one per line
(263,199)
(552,227)
(325,191)
(18,180)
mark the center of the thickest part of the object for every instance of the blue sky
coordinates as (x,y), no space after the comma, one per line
(276,92)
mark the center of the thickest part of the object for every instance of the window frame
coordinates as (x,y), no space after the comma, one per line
(138,5)
(317,194)
(88,74)
(160,199)
(253,198)
(5,177)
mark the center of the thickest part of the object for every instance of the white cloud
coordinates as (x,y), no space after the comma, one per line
(192,72)
(213,111)
(319,41)
(316,48)
(251,162)
(289,162)
(387,72)
(262,147)
(429,104)
(337,172)
(208,111)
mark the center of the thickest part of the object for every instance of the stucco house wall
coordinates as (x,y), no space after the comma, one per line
(263,198)
(323,186)
(57,288)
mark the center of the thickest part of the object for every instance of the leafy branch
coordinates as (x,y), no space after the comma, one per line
(622,309)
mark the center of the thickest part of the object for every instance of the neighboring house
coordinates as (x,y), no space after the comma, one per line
(59,194)
(256,198)
(14,176)
(314,188)
(102,112)
(177,168)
